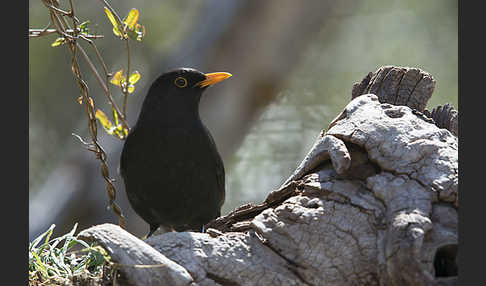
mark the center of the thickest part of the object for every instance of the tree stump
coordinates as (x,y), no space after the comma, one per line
(374,202)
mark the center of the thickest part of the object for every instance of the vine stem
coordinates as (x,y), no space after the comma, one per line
(125,95)
(62,28)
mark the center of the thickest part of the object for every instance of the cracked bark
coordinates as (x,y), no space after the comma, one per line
(374,202)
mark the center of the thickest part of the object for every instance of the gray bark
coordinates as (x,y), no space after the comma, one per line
(374,202)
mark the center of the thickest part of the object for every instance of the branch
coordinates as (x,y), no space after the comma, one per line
(35,33)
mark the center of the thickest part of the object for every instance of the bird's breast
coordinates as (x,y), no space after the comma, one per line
(167,168)
(172,150)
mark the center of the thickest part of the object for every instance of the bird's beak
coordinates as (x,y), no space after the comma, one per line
(212,78)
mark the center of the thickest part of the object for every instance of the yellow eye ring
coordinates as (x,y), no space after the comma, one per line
(180,82)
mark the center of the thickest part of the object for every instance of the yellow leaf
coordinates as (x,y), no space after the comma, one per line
(111,17)
(115,116)
(131,18)
(120,132)
(131,88)
(80,99)
(105,122)
(124,132)
(117,32)
(58,42)
(134,77)
(118,78)
(113,21)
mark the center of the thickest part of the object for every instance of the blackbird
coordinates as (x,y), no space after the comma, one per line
(173,173)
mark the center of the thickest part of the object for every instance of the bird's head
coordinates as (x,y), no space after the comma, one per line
(180,88)
(186,82)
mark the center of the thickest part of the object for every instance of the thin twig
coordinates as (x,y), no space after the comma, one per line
(125,95)
(92,67)
(105,88)
(100,58)
(107,76)
(107,5)
(34,33)
(57,9)
(61,25)
(100,153)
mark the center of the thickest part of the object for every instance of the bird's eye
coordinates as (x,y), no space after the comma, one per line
(180,82)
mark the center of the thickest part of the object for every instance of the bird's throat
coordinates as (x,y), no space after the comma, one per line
(170,112)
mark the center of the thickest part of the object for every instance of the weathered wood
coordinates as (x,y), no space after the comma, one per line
(374,202)
(445,117)
(411,87)
(140,263)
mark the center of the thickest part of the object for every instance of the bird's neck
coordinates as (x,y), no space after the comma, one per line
(170,113)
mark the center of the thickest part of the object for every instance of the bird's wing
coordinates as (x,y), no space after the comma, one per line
(219,166)
(122,166)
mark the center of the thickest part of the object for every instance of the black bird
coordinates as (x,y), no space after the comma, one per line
(173,173)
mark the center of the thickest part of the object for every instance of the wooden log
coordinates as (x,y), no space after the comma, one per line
(374,202)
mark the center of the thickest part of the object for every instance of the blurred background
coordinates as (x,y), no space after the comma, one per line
(293,65)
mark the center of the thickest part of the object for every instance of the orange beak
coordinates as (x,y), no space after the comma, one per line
(212,78)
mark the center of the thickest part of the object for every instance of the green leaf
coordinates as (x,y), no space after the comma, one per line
(68,237)
(83,243)
(58,259)
(39,238)
(96,258)
(40,265)
(83,25)
(46,242)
